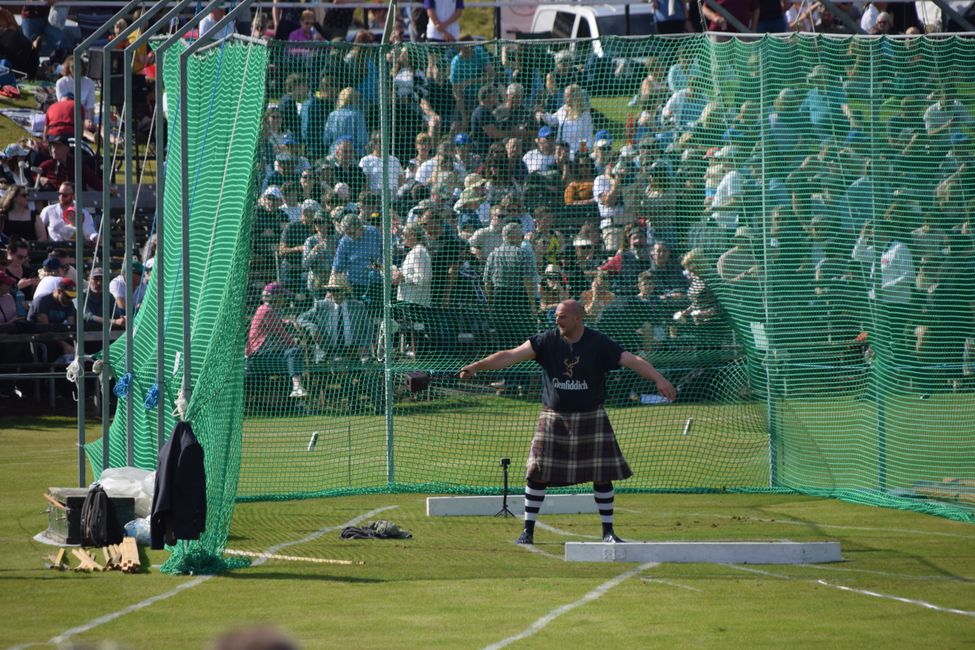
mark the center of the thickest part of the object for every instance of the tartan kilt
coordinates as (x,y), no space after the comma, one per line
(570,448)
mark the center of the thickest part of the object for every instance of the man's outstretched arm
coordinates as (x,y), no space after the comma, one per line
(645,369)
(499,360)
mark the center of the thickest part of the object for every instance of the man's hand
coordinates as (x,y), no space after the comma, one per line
(467,372)
(666,389)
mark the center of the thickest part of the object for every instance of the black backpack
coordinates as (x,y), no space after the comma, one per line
(99,523)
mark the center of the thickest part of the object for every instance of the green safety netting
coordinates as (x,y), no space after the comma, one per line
(782,225)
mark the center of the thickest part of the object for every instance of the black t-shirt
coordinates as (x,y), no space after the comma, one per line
(481,118)
(574,375)
(57,314)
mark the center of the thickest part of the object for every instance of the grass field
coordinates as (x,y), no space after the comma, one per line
(907,580)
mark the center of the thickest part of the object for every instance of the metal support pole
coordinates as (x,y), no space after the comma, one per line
(385,105)
(129,216)
(79,133)
(187,385)
(947,11)
(159,263)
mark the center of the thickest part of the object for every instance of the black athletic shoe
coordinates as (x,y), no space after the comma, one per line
(611,538)
(525,538)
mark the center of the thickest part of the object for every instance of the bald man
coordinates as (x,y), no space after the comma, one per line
(574,441)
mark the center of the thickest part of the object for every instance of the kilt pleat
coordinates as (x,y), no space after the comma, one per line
(570,448)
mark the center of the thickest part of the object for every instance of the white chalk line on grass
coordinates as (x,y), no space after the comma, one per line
(887,574)
(864,592)
(566,533)
(670,584)
(793,522)
(595,594)
(101,620)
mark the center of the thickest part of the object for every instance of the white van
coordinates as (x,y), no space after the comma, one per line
(592,21)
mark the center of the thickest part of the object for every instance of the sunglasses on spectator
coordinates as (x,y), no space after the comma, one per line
(65,193)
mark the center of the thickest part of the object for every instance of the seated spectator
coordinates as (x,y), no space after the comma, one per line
(319,251)
(56,309)
(668,276)
(95,304)
(59,168)
(17,219)
(551,291)
(703,308)
(488,238)
(344,167)
(629,263)
(271,342)
(608,190)
(372,166)
(291,249)
(598,296)
(509,278)
(117,289)
(18,267)
(295,91)
(211,19)
(338,324)
(424,153)
(573,121)
(359,256)
(50,274)
(18,48)
(8,304)
(59,117)
(581,267)
(65,86)
(470,69)
(414,276)
(542,157)
(636,321)
(347,121)
(60,219)
(684,108)
(579,191)
(16,166)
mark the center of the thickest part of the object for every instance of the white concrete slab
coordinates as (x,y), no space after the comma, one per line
(554,504)
(705,552)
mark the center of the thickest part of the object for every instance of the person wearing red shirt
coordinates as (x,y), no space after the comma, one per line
(59,168)
(59,118)
(271,343)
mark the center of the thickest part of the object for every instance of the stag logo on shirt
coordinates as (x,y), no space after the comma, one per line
(570,365)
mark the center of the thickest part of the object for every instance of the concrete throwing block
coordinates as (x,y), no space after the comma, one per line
(554,504)
(705,552)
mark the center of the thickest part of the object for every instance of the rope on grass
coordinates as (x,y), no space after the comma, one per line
(293,558)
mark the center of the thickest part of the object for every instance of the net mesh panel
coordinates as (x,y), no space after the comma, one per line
(815,312)
(225,103)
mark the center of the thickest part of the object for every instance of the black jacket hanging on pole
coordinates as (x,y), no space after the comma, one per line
(179,500)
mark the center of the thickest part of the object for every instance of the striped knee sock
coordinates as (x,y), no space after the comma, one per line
(604,496)
(534,495)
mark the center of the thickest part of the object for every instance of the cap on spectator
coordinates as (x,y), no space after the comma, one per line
(818,72)
(546,132)
(273,192)
(473,180)
(462,139)
(603,142)
(14,150)
(338,282)
(727,151)
(469,196)
(7,279)
(553,271)
(59,139)
(603,134)
(97,272)
(582,241)
(68,286)
(52,264)
(275,289)
(289,139)
(311,205)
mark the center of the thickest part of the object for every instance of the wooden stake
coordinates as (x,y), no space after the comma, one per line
(293,558)
(57,560)
(87,561)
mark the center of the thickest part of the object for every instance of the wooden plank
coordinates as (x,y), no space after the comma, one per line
(87,561)
(130,555)
(58,559)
